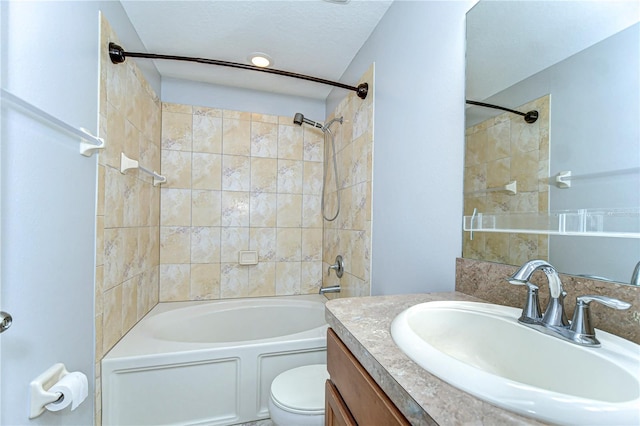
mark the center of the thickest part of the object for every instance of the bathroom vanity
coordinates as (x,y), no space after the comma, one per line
(352,396)
(360,347)
(368,340)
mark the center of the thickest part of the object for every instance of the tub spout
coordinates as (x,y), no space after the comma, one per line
(331,289)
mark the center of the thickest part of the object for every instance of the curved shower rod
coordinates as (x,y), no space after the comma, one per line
(118,56)
(529,117)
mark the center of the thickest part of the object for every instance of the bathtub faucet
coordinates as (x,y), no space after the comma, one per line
(330,289)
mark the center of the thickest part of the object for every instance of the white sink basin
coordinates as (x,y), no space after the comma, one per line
(483,350)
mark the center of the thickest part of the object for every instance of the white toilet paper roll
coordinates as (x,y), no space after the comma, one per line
(74,388)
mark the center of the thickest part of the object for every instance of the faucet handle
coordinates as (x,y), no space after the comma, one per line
(610,302)
(338,267)
(581,322)
(531,313)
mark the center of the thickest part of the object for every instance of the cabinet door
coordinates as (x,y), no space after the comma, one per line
(336,412)
(366,401)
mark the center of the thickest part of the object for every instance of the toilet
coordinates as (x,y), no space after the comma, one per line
(297,396)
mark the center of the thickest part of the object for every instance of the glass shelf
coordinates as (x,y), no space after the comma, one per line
(617,223)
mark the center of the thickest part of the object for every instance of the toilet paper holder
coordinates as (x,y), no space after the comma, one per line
(38,389)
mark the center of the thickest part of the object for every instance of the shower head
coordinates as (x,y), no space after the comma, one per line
(299,119)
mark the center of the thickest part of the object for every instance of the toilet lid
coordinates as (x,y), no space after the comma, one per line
(301,390)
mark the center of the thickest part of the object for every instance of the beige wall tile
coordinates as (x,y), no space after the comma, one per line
(206,208)
(205,245)
(289,211)
(475,148)
(524,136)
(498,144)
(310,277)
(264,174)
(175,281)
(289,245)
(498,172)
(311,211)
(207,111)
(176,207)
(288,278)
(264,241)
(131,139)
(112,317)
(176,167)
(264,140)
(181,108)
(113,199)
(232,240)
(236,115)
(312,178)
(236,173)
(290,142)
(262,279)
(114,247)
(236,136)
(235,208)
(262,209)
(234,281)
(313,144)
(130,303)
(312,245)
(175,244)
(207,134)
(362,158)
(264,118)
(205,281)
(177,131)
(206,171)
(290,176)
(346,166)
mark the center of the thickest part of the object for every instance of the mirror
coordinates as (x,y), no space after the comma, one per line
(578,63)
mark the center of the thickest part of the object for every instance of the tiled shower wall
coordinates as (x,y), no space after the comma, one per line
(499,150)
(238,181)
(128,209)
(349,234)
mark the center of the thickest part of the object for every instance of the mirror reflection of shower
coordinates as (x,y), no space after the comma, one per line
(299,119)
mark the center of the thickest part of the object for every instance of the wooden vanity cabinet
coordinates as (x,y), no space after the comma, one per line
(352,397)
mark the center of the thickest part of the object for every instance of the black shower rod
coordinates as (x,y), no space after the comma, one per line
(118,55)
(529,117)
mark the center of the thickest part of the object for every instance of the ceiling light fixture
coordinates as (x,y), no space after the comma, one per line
(260,59)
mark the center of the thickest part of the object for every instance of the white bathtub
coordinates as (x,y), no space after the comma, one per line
(197,363)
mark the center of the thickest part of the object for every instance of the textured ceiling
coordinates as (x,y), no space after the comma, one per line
(313,37)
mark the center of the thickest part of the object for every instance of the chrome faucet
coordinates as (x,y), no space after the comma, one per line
(554,321)
(635,276)
(339,268)
(330,289)
(554,315)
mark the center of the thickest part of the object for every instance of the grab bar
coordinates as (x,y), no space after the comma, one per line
(563,179)
(127,163)
(510,188)
(88,142)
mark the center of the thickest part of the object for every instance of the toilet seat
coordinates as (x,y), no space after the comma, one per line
(301,390)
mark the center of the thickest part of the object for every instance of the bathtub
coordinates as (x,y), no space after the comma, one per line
(209,363)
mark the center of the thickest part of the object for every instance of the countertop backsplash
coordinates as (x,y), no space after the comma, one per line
(486,280)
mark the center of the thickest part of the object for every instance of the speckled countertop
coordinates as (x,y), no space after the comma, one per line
(363,324)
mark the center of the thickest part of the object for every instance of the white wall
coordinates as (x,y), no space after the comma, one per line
(234,98)
(50,58)
(418,49)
